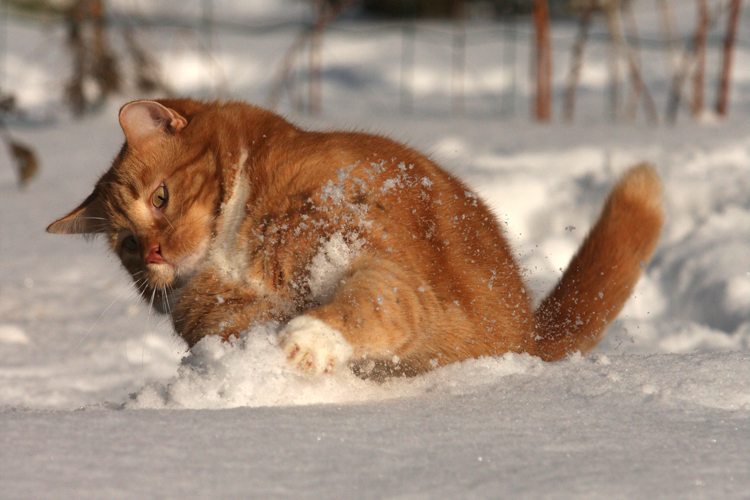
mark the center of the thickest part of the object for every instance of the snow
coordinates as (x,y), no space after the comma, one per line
(329,265)
(99,400)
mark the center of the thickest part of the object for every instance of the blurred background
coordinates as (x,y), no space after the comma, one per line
(650,62)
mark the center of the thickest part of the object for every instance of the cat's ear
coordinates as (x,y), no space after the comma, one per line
(87,218)
(141,120)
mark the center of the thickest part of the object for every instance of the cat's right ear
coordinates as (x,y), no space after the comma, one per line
(143,120)
(87,218)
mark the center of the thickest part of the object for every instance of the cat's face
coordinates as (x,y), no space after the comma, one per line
(157,204)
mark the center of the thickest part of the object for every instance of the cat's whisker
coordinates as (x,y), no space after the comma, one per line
(143,337)
(128,288)
(165,300)
(168,222)
(142,290)
(210,212)
(151,304)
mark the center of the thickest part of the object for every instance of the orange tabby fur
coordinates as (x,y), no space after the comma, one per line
(381,260)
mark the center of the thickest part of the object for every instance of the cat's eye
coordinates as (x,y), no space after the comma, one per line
(130,244)
(160,197)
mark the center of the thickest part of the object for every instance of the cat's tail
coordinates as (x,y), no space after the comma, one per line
(602,274)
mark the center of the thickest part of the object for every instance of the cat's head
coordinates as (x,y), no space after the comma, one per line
(158,203)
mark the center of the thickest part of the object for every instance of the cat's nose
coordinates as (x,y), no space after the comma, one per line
(154,256)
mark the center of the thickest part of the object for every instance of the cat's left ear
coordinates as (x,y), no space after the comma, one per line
(142,120)
(87,218)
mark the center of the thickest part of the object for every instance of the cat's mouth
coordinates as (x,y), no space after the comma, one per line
(165,270)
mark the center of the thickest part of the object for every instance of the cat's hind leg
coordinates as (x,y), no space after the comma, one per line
(379,311)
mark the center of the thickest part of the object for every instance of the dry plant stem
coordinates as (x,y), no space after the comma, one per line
(682,69)
(633,47)
(105,63)
(285,66)
(620,46)
(543,100)
(287,61)
(699,76)
(74,89)
(668,34)
(316,62)
(23,156)
(576,61)
(675,91)
(459,68)
(612,11)
(648,101)
(638,86)
(148,78)
(91,56)
(722,98)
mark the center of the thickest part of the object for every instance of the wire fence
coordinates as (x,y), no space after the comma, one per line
(509,39)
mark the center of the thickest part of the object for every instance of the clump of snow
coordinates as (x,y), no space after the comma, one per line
(329,264)
(252,371)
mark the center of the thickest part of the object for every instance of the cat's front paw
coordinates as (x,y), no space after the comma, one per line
(313,347)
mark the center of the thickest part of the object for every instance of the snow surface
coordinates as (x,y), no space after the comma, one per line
(99,400)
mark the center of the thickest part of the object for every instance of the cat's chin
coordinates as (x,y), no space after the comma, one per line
(160,276)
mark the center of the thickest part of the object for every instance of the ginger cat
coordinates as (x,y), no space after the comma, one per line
(370,254)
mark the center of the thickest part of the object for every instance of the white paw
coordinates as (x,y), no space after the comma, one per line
(313,347)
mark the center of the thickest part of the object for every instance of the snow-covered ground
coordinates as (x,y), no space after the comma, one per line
(99,400)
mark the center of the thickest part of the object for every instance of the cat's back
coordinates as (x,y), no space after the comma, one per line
(407,208)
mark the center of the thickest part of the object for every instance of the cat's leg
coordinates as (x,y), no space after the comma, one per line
(380,311)
(211,305)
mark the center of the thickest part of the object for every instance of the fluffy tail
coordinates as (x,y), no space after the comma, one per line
(601,276)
